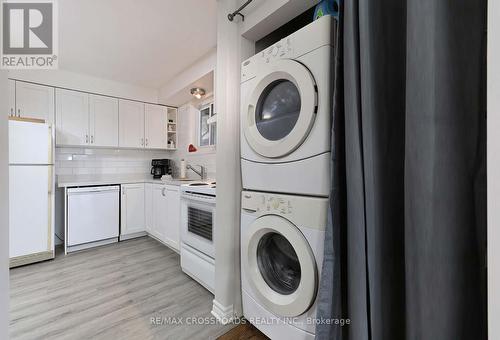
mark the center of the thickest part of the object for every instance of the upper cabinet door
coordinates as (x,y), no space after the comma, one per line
(35,101)
(131,124)
(156,127)
(103,121)
(12,97)
(72,118)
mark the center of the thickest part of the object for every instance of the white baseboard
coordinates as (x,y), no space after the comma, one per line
(131,236)
(224,314)
(84,246)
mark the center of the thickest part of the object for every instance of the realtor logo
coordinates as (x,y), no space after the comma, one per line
(29,39)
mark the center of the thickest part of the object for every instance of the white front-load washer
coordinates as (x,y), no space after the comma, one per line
(286,108)
(282,240)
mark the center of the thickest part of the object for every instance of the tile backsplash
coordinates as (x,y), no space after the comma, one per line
(80,161)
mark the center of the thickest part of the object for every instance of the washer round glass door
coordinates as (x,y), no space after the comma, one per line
(280,266)
(281,109)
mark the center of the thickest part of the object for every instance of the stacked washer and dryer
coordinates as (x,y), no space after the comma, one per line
(286,108)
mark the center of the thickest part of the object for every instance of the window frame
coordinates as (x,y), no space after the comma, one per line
(212,140)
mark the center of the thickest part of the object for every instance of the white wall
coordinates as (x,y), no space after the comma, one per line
(231,50)
(187,118)
(183,80)
(187,127)
(493,169)
(4,208)
(81,82)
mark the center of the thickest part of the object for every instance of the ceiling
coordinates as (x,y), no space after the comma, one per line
(183,96)
(144,43)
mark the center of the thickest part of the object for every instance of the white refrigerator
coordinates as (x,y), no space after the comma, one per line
(31,192)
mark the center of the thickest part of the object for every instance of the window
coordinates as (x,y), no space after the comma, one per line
(207,132)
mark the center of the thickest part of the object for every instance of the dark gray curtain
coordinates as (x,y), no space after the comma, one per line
(331,296)
(413,236)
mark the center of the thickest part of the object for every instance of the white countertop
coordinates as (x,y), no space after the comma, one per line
(65,181)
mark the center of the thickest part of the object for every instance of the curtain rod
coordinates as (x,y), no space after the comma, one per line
(231,16)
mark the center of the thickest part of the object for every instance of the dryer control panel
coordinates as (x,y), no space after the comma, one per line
(282,49)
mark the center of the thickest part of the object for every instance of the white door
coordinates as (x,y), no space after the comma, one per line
(280,266)
(132,212)
(173,217)
(103,121)
(72,118)
(35,101)
(30,226)
(148,206)
(30,143)
(160,212)
(156,127)
(12,97)
(281,109)
(131,124)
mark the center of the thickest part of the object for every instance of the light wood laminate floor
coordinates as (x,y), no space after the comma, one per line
(110,292)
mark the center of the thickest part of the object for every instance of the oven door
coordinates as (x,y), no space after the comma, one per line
(198,218)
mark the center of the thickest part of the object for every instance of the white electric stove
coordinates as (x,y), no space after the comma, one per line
(198,202)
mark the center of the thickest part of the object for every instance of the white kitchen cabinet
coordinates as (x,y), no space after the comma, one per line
(160,212)
(34,101)
(155,126)
(148,209)
(12,97)
(131,122)
(72,118)
(132,209)
(166,214)
(172,232)
(103,122)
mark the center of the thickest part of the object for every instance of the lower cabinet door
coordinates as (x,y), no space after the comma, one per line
(160,212)
(172,232)
(148,206)
(132,212)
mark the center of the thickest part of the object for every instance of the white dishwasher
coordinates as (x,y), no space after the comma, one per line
(93,216)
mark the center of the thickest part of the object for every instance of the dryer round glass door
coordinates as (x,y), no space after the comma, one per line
(281,109)
(280,266)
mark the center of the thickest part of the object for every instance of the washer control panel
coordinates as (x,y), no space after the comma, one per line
(266,203)
(309,212)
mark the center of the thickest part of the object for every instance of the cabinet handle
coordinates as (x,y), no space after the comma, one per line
(19,112)
(92,139)
(11,112)
(142,141)
(163,191)
(86,139)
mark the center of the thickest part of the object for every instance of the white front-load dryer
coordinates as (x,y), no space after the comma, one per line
(282,240)
(286,108)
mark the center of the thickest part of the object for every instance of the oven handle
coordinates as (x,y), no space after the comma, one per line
(199,199)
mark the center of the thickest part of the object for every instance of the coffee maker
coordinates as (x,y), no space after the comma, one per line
(160,167)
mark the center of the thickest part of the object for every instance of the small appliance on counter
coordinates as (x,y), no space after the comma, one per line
(160,167)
